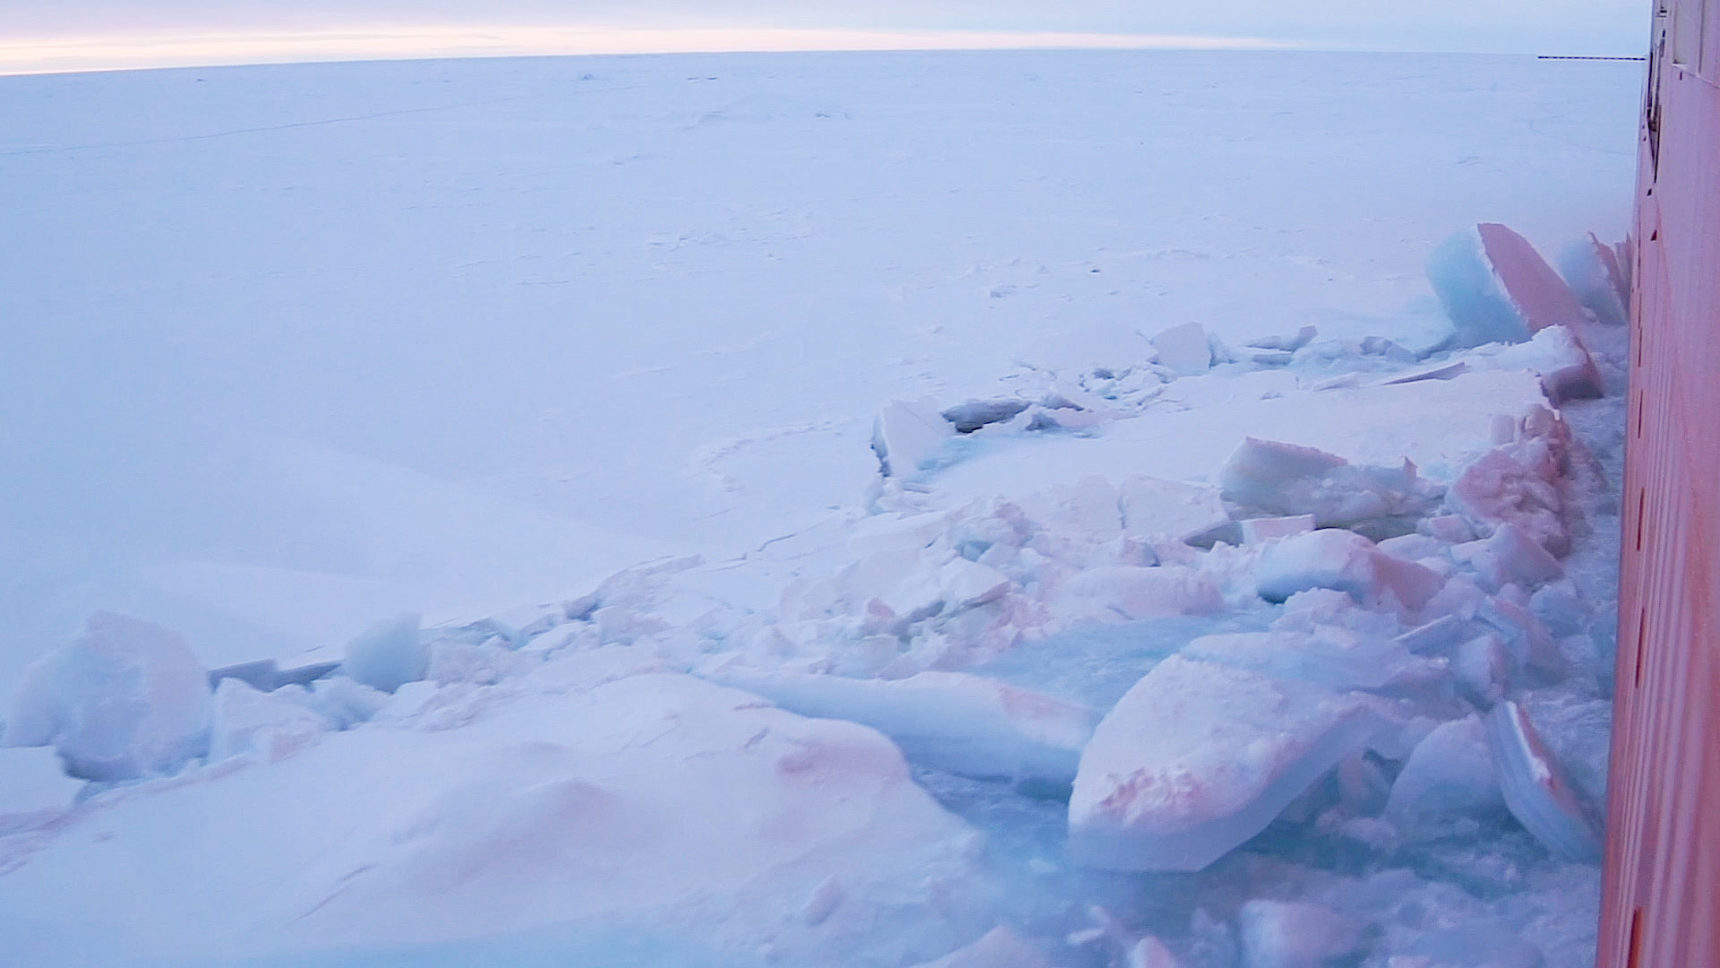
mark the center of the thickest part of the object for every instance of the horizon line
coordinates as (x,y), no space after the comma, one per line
(152,51)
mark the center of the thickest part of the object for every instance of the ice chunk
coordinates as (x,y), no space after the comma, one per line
(1514,556)
(1258,530)
(1592,269)
(1198,757)
(125,699)
(907,434)
(1436,634)
(1496,488)
(1303,337)
(1184,349)
(999,948)
(1138,593)
(1558,357)
(1496,289)
(962,723)
(971,415)
(1154,509)
(267,676)
(388,655)
(1328,655)
(343,702)
(1327,558)
(1483,665)
(270,725)
(1536,789)
(1294,934)
(33,788)
(1275,478)
(965,584)
(1450,771)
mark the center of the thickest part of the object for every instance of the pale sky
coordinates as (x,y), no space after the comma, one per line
(81,33)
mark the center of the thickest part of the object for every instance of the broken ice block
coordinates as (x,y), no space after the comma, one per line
(388,655)
(1449,771)
(1138,593)
(907,434)
(1184,349)
(1258,530)
(1155,509)
(1496,487)
(1592,269)
(123,700)
(1329,656)
(1272,477)
(1558,357)
(964,584)
(971,415)
(962,723)
(1328,558)
(1536,790)
(269,725)
(1198,757)
(33,788)
(1496,288)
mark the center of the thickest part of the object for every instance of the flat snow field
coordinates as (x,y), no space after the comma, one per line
(803,509)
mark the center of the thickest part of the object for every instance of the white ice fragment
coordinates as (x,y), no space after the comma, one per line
(900,580)
(33,788)
(1259,530)
(388,655)
(1303,337)
(1496,488)
(1514,556)
(1198,757)
(1327,558)
(963,723)
(999,948)
(1483,665)
(1558,357)
(1598,279)
(1449,772)
(897,532)
(1184,349)
(1536,789)
(965,584)
(1272,477)
(971,415)
(1155,509)
(123,700)
(1295,934)
(1496,289)
(1434,635)
(1449,528)
(265,723)
(344,702)
(1129,592)
(1443,371)
(907,434)
(1329,656)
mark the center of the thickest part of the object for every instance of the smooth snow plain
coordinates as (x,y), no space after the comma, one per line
(877,509)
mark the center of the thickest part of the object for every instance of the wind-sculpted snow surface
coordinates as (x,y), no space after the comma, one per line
(1195,594)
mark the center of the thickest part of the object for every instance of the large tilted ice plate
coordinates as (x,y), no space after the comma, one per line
(1437,424)
(1199,757)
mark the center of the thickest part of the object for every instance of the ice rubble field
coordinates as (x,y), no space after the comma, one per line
(1041,509)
